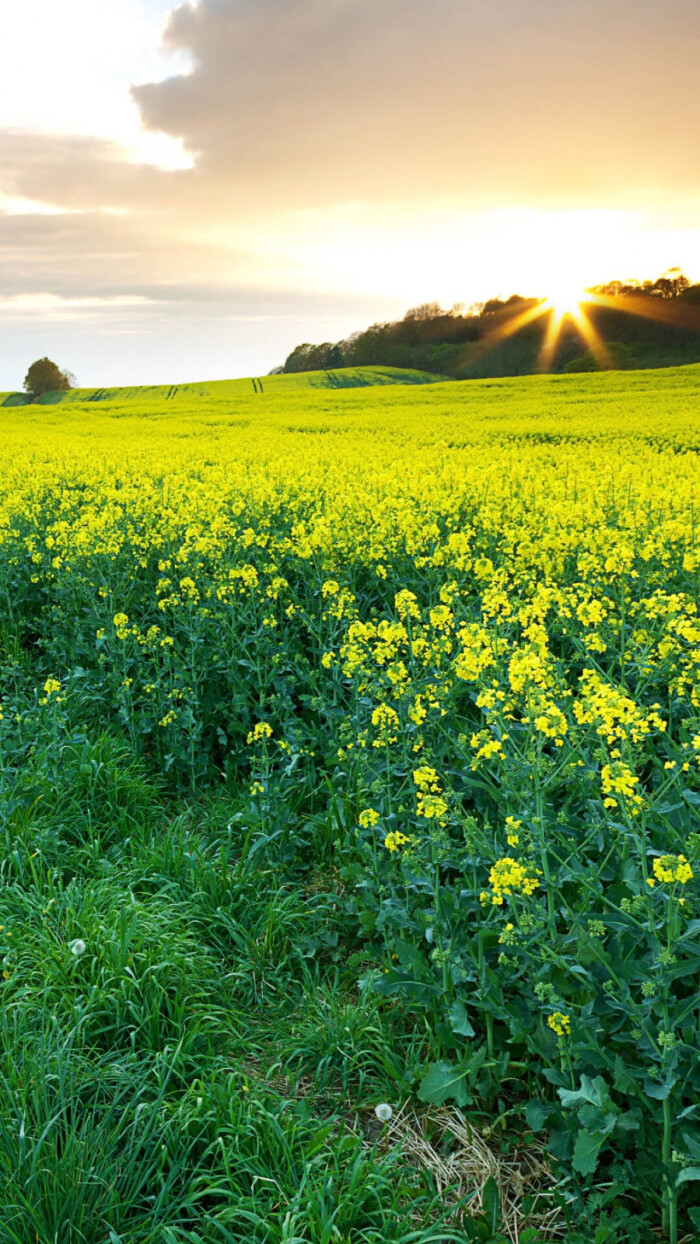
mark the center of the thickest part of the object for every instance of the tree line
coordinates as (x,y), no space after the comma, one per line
(447,342)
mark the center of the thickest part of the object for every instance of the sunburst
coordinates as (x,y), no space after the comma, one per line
(566,304)
(569,304)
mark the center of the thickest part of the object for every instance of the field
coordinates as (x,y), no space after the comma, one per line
(350,743)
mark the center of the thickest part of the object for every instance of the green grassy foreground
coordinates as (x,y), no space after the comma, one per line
(308,804)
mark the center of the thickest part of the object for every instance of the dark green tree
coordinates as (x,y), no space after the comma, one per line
(44,376)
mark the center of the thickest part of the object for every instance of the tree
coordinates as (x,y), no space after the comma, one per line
(44,376)
(426,311)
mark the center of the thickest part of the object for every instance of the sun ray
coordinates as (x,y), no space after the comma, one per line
(506,328)
(661,310)
(571,302)
(551,337)
(593,340)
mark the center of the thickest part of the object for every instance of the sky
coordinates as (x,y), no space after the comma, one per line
(188,191)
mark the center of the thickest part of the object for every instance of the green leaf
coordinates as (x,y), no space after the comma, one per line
(663,809)
(691,1143)
(660,1089)
(458,1020)
(630,1120)
(395,981)
(623,1080)
(591,1091)
(586,1151)
(443,1080)
(536,1112)
(596,1120)
(492,1203)
(688,1174)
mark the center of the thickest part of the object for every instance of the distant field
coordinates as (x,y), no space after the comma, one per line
(350,754)
(344,378)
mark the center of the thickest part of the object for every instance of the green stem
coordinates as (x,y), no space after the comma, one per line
(551,921)
(669,1219)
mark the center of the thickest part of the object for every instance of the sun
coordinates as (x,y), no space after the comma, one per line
(566,298)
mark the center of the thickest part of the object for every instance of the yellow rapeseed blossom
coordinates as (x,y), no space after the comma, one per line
(368,818)
(559,1023)
(386,722)
(508,877)
(670,868)
(395,840)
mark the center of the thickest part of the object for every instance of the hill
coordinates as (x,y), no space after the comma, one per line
(340,378)
(656,324)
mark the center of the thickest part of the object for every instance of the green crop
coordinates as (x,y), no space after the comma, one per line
(350,751)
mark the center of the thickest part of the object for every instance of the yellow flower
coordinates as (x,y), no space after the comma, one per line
(670,868)
(406,604)
(386,721)
(262,730)
(426,779)
(508,876)
(368,818)
(560,1024)
(395,840)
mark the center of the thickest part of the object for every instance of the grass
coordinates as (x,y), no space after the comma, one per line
(195,1072)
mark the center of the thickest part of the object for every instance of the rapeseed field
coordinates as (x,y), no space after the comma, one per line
(350,756)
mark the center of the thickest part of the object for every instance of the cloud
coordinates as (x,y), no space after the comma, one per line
(77,172)
(56,307)
(317,100)
(295,105)
(345,154)
(67,68)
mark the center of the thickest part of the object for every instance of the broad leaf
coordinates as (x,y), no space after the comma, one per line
(688,1175)
(660,1089)
(586,1152)
(458,1020)
(591,1091)
(443,1080)
(536,1112)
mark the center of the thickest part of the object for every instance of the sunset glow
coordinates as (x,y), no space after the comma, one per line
(566,300)
(180,174)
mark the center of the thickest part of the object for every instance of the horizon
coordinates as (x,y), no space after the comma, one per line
(193,190)
(554,314)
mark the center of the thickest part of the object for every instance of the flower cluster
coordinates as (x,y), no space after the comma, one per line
(670,868)
(508,877)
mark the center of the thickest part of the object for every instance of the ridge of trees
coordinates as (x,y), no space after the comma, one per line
(448,342)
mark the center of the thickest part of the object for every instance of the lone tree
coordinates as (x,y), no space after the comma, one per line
(44,376)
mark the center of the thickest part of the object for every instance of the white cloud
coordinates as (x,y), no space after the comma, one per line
(67,68)
(57,307)
(15,205)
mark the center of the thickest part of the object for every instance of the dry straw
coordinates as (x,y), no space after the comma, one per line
(461,1160)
